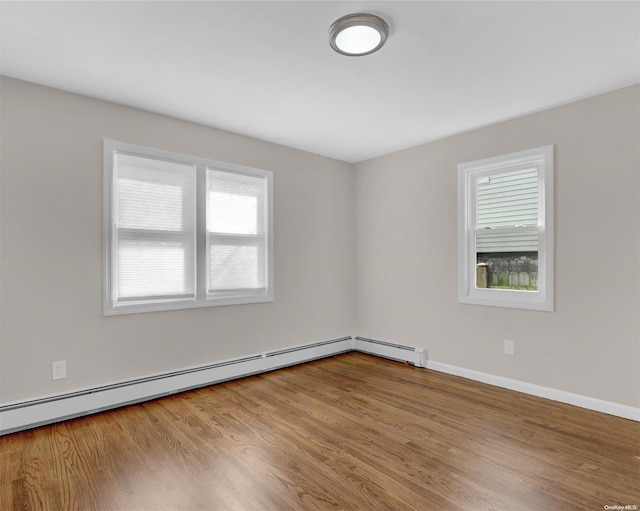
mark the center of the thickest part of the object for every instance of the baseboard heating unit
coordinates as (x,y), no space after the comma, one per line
(22,415)
(31,413)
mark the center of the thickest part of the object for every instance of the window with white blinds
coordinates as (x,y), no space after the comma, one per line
(236,232)
(184,232)
(505,230)
(154,226)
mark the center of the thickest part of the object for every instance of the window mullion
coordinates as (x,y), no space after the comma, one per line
(201,232)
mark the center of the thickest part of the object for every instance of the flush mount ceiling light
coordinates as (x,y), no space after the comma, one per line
(358,34)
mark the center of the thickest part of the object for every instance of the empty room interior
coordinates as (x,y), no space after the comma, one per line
(320,255)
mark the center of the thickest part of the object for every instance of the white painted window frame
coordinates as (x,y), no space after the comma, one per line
(202,298)
(468,173)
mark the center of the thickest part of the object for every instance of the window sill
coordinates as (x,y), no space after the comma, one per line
(529,300)
(159,306)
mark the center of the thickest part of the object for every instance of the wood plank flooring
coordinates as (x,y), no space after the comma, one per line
(351,432)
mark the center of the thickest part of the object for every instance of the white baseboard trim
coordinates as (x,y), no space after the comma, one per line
(590,403)
(23,415)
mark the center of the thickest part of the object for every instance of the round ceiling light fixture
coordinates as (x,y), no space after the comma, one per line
(358,34)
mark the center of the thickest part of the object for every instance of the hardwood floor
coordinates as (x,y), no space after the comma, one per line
(350,432)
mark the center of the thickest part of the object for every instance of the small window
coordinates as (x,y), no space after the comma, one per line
(505,230)
(183,232)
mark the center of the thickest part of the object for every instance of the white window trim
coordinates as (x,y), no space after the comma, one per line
(112,147)
(543,299)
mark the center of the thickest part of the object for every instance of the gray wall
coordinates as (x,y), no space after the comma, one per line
(407,253)
(51,259)
(382,286)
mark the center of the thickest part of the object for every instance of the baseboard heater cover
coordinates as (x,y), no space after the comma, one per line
(23,415)
(399,352)
(55,408)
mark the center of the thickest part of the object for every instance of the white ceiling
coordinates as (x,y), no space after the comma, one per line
(265,69)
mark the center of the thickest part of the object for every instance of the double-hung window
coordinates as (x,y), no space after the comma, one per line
(505,230)
(183,232)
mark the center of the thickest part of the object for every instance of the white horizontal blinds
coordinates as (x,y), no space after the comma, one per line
(154,231)
(236,231)
(507,199)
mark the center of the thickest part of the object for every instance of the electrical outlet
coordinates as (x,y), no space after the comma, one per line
(59,370)
(509,347)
